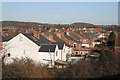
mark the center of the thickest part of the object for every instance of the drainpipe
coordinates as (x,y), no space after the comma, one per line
(50,58)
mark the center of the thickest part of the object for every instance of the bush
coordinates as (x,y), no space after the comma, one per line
(84,69)
(25,68)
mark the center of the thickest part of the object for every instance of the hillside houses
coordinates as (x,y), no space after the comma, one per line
(53,45)
(40,50)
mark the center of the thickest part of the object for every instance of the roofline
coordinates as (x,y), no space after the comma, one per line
(48,44)
(29,39)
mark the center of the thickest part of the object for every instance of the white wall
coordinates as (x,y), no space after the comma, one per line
(68,50)
(64,53)
(24,48)
(94,43)
(87,45)
(101,36)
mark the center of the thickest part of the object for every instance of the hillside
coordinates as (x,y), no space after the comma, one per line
(79,24)
(31,24)
(19,23)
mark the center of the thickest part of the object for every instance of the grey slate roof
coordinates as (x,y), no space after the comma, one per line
(41,40)
(2,38)
(57,39)
(95,34)
(69,38)
(32,38)
(60,45)
(47,48)
(5,29)
(75,36)
(78,32)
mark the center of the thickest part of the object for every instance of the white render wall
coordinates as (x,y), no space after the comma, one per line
(24,48)
(68,50)
(87,45)
(62,54)
(20,46)
(27,48)
(94,43)
(101,36)
(49,56)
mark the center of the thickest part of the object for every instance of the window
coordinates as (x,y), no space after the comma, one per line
(76,52)
(20,38)
(74,45)
(6,34)
(84,41)
(8,54)
(86,53)
(81,53)
(56,53)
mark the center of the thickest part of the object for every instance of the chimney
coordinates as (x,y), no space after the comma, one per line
(64,30)
(3,33)
(13,30)
(19,32)
(26,31)
(62,35)
(39,30)
(80,31)
(51,37)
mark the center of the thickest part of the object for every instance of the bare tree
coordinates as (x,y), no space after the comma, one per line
(4,52)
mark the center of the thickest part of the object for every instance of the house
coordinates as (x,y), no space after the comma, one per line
(68,47)
(96,42)
(22,45)
(62,50)
(49,53)
(27,45)
(76,45)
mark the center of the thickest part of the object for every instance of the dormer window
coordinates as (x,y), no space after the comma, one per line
(8,54)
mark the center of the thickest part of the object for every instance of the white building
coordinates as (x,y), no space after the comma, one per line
(27,45)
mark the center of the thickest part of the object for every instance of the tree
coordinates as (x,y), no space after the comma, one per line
(48,28)
(43,27)
(5,49)
(111,39)
(83,69)
(73,26)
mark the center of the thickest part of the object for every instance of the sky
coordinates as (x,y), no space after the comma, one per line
(99,13)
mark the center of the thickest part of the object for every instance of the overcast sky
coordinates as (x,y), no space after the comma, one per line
(103,13)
